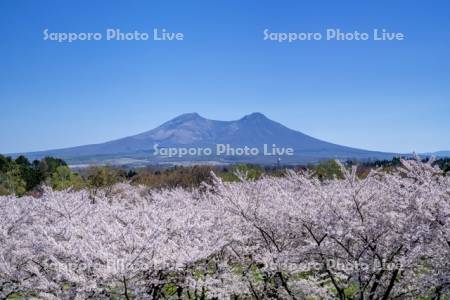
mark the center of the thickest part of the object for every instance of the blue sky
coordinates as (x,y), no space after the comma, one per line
(389,96)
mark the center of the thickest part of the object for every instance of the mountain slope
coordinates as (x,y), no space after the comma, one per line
(192,130)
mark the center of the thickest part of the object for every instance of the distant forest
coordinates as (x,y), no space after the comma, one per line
(21,177)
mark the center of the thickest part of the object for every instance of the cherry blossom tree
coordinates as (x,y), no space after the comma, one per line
(382,237)
(386,236)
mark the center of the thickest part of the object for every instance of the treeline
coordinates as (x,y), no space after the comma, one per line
(21,177)
(390,165)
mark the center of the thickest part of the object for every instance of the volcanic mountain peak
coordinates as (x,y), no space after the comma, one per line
(192,130)
(187,117)
(255,116)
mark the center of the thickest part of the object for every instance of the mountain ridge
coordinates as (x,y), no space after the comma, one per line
(193,130)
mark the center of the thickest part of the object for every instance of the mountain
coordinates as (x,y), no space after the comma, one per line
(192,131)
(442,154)
(437,154)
